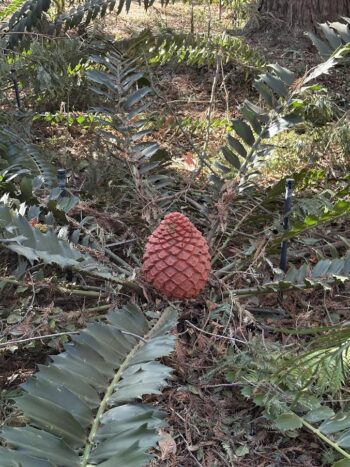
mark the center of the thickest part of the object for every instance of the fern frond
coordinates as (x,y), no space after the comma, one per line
(85,407)
(327,362)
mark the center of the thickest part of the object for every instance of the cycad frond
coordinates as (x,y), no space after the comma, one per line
(250,142)
(126,100)
(23,155)
(19,236)
(31,13)
(335,35)
(85,407)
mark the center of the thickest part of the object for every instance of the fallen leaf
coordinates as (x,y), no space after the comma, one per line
(188,158)
(167,445)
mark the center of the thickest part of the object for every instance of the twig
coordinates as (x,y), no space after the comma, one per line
(214,335)
(192,16)
(242,312)
(84,287)
(122,242)
(66,290)
(223,385)
(94,309)
(75,291)
(314,249)
(125,269)
(189,450)
(36,34)
(118,260)
(29,339)
(210,107)
(130,284)
(81,293)
(227,95)
(209,18)
(186,422)
(274,288)
(48,336)
(15,86)
(229,238)
(286,213)
(127,333)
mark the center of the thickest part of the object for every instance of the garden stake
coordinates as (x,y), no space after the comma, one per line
(61,176)
(15,87)
(286,211)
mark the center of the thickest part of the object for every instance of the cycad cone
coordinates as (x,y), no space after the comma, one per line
(177,260)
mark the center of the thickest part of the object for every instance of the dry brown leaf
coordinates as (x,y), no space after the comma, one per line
(167,445)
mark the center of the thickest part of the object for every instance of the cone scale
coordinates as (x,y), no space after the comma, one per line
(176,261)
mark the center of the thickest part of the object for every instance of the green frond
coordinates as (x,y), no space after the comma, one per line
(323,274)
(126,100)
(335,35)
(23,155)
(10,9)
(31,13)
(328,362)
(192,49)
(251,141)
(17,235)
(85,408)
(281,384)
(24,19)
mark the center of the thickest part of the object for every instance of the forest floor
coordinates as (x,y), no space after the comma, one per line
(211,424)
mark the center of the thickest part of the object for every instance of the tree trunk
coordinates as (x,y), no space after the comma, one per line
(304,14)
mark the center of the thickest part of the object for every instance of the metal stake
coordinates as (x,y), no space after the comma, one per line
(61,176)
(286,211)
(62,179)
(15,86)
(284,245)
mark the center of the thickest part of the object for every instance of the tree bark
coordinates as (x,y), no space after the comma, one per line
(304,14)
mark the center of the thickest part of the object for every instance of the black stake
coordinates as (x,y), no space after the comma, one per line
(61,176)
(286,211)
(284,245)
(15,87)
